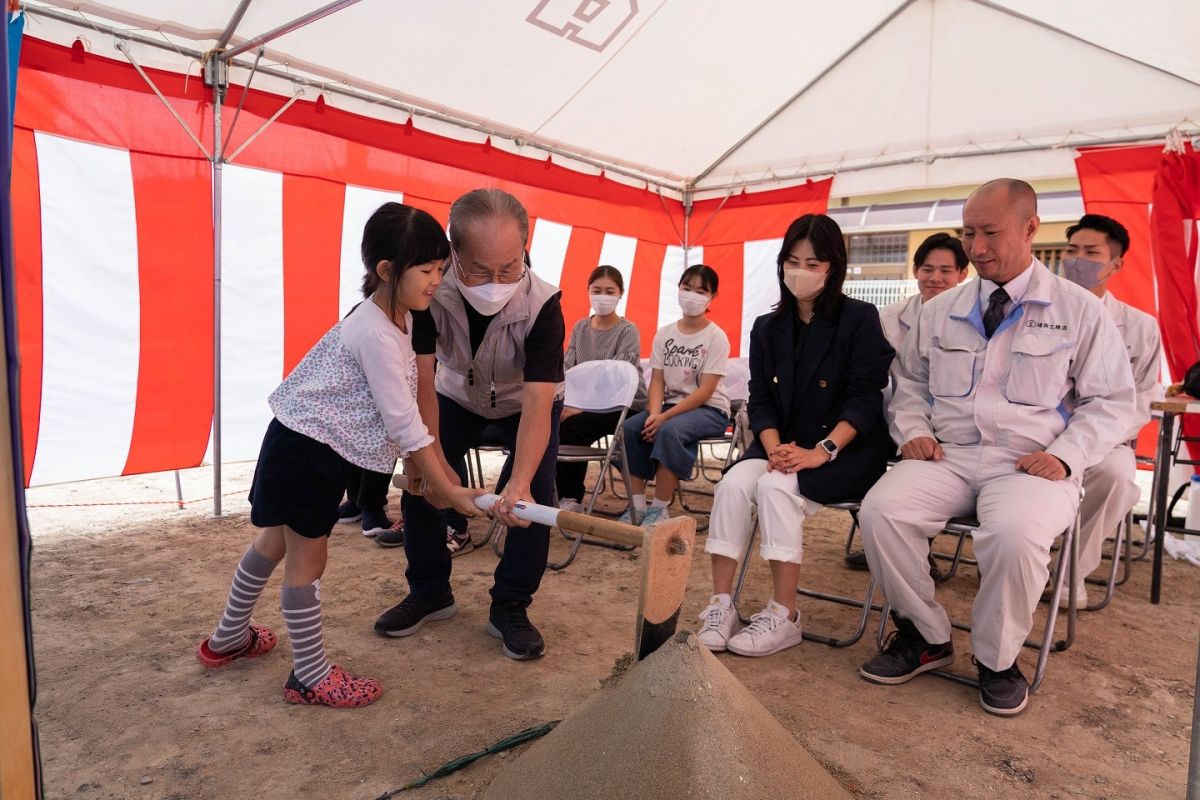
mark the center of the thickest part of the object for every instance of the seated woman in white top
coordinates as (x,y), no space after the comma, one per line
(602,336)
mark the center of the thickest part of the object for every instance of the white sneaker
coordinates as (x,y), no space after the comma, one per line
(769,631)
(717,624)
(654,515)
(570,505)
(1064,599)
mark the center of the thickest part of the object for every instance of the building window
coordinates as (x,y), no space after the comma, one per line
(1051,255)
(878,248)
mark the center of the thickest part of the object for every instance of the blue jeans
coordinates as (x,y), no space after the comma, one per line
(675,445)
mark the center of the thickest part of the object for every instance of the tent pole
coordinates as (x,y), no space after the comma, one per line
(218,88)
(687,216)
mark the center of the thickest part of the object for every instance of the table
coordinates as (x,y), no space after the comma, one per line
(1170,409)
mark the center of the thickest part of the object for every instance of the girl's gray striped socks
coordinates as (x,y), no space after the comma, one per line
(249,578)
(302,613)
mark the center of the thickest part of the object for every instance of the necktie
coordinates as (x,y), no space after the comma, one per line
(995,311)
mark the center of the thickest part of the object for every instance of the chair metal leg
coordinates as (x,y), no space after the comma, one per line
(1110,583)
(867,604)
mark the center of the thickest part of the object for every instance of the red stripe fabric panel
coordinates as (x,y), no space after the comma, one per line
(726,309)
(105,101)
(27,251)
(1118,183)
(583,256)
(312,236)
(642,307)
(173,204)
(753,217)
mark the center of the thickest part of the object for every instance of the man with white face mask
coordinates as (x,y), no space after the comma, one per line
(496,333)
(1096,248)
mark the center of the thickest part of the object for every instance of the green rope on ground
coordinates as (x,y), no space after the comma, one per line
(527,735)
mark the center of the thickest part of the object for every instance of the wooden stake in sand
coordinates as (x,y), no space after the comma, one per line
(677,725)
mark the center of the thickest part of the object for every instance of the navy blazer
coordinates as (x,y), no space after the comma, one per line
(841,376)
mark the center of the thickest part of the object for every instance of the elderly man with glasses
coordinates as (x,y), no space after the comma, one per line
(496,333)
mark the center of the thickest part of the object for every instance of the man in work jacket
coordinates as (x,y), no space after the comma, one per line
(497,332)
(1096,248)
(1008,388)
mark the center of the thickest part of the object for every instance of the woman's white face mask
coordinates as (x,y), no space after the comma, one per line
(603,304)
(693,304)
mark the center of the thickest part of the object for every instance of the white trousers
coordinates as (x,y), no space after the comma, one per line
(1019,515)
(1109,492)
(781,513)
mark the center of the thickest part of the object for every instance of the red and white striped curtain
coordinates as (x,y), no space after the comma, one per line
(1156,196)
(114,250)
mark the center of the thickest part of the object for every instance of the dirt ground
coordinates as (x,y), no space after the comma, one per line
(122,594)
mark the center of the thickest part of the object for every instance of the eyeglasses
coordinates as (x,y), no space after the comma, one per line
(476,277)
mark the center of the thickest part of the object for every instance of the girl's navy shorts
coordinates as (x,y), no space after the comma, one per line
(298,482)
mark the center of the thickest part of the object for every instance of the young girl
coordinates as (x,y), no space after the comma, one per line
(686,402)
(603,335)
(352,400)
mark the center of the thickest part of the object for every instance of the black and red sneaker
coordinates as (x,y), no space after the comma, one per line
(906,655)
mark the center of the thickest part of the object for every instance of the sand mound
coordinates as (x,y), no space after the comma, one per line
(678,725)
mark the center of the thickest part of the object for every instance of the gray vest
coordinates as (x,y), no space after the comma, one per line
(490,383)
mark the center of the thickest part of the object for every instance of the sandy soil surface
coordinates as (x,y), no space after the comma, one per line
(123,593)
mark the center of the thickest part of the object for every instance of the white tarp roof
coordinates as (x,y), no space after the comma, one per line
(882,93)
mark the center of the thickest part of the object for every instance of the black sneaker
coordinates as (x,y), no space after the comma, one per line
(375,521)
(349,512)
(857,560)
(510,623)
(906,655)
(407,617)
(1005,693)
(458,542)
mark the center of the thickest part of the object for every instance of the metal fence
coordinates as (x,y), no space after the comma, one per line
(880,292)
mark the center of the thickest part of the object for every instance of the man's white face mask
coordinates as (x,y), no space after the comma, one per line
(487,298)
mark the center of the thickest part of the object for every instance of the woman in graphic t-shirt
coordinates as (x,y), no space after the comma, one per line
(686,401)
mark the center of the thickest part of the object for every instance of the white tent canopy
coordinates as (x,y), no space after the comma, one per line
(701,97)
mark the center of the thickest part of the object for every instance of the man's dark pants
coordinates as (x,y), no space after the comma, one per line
(525,549)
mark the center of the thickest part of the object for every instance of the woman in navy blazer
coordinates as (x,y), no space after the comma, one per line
(818,366)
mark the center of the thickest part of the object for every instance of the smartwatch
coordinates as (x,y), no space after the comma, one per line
(829,447)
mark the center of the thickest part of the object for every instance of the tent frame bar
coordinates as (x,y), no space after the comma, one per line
(929,158)
(994,6)
(804,90)
(242,100)
(287,27)
(258,131)
(195,139)
(234,21)
(675,187)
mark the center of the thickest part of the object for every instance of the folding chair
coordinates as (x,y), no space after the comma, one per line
(866,603)
(1064,570)
(599,386)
